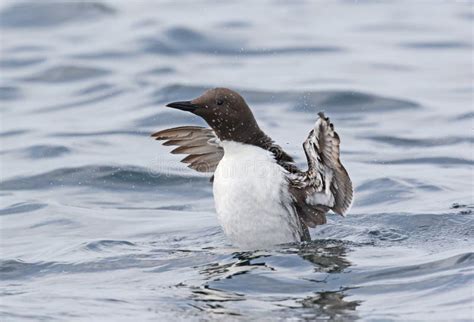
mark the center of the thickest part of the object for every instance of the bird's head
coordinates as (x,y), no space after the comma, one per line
(225,111)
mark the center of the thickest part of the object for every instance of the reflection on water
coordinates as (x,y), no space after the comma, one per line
(244,275)
(330,306)
(327,255)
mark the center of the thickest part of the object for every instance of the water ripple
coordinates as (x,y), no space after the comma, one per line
(425,269)
(436,45)
(22,208)
(14,63)
(103,177)
(95,88)
(17,269)
(182,40)
(49,14)
(415,142)
(67,73)
(12,133)
(45,151)
(389,190)
(9,93)
(83,102)
(102,245)
(439,161)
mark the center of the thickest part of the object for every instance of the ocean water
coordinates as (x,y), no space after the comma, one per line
(100,222)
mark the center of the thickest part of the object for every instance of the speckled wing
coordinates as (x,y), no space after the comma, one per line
(326,184)
(200,143)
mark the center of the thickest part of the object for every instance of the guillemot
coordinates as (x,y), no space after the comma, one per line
(261,197)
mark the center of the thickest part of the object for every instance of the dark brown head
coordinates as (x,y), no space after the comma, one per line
(226,112)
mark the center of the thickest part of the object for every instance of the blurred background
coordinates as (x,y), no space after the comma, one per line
(97,220)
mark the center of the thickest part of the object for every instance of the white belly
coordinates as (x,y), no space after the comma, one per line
(252,202)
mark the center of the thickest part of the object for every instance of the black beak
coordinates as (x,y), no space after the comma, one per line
(183,106)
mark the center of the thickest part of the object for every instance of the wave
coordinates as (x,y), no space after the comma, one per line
(100,87)
(464,117)
(5,134)
(105,55)
(22,207)
(390,190)
(455,262)
(82,102)
(14,63)
(440,161)
(101,245)
(103,177)
(436,45)
(51,14)
(416,142)
(67,73)
(10,93)
(101,133)
(454,227)
(44,151)
(166,118)
(182,40)
(18,269)
(102,259)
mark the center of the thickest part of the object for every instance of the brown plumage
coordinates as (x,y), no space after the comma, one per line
(199,142)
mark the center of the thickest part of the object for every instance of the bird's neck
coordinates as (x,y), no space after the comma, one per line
(251,135)
(258,138)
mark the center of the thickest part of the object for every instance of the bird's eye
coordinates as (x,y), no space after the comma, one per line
(220,102)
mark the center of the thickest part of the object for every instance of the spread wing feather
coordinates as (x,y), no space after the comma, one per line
(200,143)
(341,184)
(326,184)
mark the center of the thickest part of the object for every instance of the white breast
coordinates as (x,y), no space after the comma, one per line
(251,196)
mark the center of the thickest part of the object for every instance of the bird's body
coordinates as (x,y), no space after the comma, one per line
(252,200)
(261,197)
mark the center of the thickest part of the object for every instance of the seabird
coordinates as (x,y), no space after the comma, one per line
(261,197)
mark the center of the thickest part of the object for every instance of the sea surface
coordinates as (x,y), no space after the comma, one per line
(100,222)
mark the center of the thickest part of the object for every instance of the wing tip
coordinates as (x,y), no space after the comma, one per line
(325,119)
(161,135)
(348,206)
(174,131)
(156,135)
(344,193)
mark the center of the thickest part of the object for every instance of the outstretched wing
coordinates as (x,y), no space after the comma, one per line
(326,184)
(200,143)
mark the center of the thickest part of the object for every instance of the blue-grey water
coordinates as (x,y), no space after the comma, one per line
(100,222)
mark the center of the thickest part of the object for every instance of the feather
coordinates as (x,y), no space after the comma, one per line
(201,144)
(326,184)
